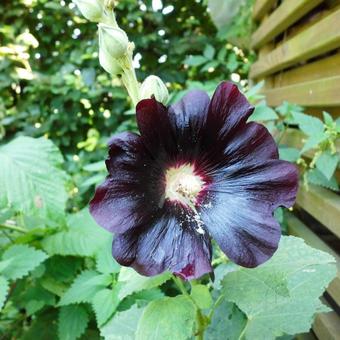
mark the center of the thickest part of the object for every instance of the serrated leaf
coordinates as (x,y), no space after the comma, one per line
(123,325)
(327,118)
(106,264)
(313,141)
(263,113)
(4,287)
(35,298)
(84,287)
(314,176)
(289,154)
(327,163)
(304,271)
(104,303)
(227,322)
(202,296)
(168,318)
(18,260)
(83,238)
(133,282)
(308,124)
(31,179)
(72,322)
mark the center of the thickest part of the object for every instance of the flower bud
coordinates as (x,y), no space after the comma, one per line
(91,9)
(154,86)
(109,64)
(113,41)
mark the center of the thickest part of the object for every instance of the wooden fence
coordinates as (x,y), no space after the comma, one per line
(298,44)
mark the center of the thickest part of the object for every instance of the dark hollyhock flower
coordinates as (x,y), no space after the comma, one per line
(197,170)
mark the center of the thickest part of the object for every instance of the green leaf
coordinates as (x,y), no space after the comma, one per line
(168,318)
(308,124)
(83,238)
(95,167)
(195,60)
(43,327)
(209,52)
(35,298)
(281,296)
(123,325)
(313,141)
(72,322)
(84,287)
(289,154)
(4,287)
(232,63)
(202,296)
(105,303)
(31,179)
(263,113)
(228,321)
(106,264)
(327,163)
(316,177)
(210,65)
(133,282)
(327,118)
(19,260)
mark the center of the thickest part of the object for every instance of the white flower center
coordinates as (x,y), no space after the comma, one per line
(183,185)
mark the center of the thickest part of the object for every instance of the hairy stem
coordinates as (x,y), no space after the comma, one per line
(200,318)
(13,228)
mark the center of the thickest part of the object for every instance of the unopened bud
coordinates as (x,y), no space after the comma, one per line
(109,64)
(154,86)
(91,9)
(113,41)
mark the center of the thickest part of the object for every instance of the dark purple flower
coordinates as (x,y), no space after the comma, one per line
(197,170)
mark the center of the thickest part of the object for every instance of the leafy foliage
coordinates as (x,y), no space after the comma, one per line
(72,322)
(281,296)
(18,260)
(29,186)
(57,110)
(84,287)
(4,286)
(167,318)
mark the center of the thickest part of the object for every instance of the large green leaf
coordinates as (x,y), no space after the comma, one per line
(72,322)
(308,124)
(327,163)
(132,282)
(83,237)
(106,264)
(31,179)
(227,322)
(4,286)
(105,303)
(123,325)
(18,260)
(84,287)
(281,296)
(167,319)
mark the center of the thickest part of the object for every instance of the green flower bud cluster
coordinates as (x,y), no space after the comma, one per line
(115,51)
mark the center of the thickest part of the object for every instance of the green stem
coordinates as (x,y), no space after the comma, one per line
(216,304)
(130,81)
(243,331)
(200,319)
(13,228)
